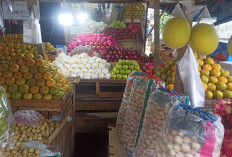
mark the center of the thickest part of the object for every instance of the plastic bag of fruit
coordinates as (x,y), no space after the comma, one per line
(139,96)
(159,103)
(190,132)
(6,121)
(124,104)
(27,117)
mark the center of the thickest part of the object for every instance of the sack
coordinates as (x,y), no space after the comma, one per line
(139,96)
(6,121)
(32,31)
(159,103)
(190,132)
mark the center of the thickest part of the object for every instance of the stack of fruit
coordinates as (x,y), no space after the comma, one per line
(119,33)
(124,68)
(30,77)
(118,24)
(139,10)
(113,54)
(48,48)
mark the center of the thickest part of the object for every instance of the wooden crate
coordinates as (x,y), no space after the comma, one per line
(47,108)
(115,148)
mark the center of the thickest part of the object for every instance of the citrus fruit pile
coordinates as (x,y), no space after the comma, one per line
(139,10)
(217,81)
(48,48)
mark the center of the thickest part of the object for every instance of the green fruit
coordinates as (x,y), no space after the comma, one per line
(124,76)
(122,72)
(118,67)
(17,95)
(128,72)
(113,76)
(125,67)
(119,76)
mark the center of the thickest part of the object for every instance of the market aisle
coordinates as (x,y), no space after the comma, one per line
(91,145)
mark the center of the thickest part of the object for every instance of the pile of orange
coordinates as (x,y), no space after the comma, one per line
(48,48)
(217,81)
(25,76)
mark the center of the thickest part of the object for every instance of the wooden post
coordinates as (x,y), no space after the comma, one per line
(178,83)
(157,34)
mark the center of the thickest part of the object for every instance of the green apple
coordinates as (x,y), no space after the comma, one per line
(115,71)
(132,71)
(118,67)
(124,76)
(113,76)
(122,72)
(128,62)
(128,72)
(137,67)
(119,76)
(134,63)
(121,62)
(125,67)
(131,67)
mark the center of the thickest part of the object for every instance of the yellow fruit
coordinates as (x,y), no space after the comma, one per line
(200,62)
(13,88)
(51,83)
(229,86)
(221,86)
(30,63)
(14,68)
(18,74)
(24,88)
(43,69)
(176,33)
(229,46)
(222,79)
(34,89)
(48,75)
(34,69)
(24,69)
(227,94)
(205,85)
(225,73)
(17,95)
(217,94)
(28,75)
(37,96)
(47,97)
(38,76)
(213,79)
(216,66)
(54,90)
(211,87)
(7,74)
(204,79)
(4,67)
(44,90)
(229,79)
(31,82)
(27,96)
(207,67)
(10,80)
(204,72)
(41,82)
(20,81)
(204,39)
(208,94)
(215,72)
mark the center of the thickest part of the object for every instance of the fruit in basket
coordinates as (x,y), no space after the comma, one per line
(204,39)
(176,33)
(121,69)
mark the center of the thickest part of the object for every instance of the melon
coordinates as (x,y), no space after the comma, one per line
(229,46)
(176,33)
(204,39)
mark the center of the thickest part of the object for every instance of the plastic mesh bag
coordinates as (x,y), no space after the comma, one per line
(160,101)
(6,121)
(190,132)
(140,92)
(27,117)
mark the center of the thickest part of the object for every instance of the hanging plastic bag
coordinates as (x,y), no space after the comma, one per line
(190,132)
(6,121)
(32,31)
(159,103)
(177,11)
(139,96)
(2,27)
(188,70)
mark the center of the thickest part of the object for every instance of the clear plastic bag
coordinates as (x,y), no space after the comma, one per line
(159,103)
(32,31)
(6,121)
(27,117)
(188,70)
(140,92)
(190,132)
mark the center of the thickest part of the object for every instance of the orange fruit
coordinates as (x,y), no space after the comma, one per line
(205,85)
(34,69)
(38,96)
(39,62)
(200,62)
(208,94)
(31,82)
(209,61)
(27,96)
(213,79)
(217,94)
(18,74)
(47,76)
(24,69)
(207,67)
(20,81)
(216,66)
(10,80)
(14,68)
(41,82)
(59,85)
(24,88)
(68,86)
(7,74)
(221,86)
(21,62)
(222,79)
(28,75)
(30,62)
(43,69)
(225,73)
(38,76)
(4,67)
(34,89)
(13,88)
(2,80)
(44,90)
(51,83)
(215,73)
(47,97)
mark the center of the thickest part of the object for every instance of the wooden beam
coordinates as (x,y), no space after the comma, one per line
(178,83)
(157,34)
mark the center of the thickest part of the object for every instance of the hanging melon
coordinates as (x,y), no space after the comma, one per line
(229,46)
(176,33)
